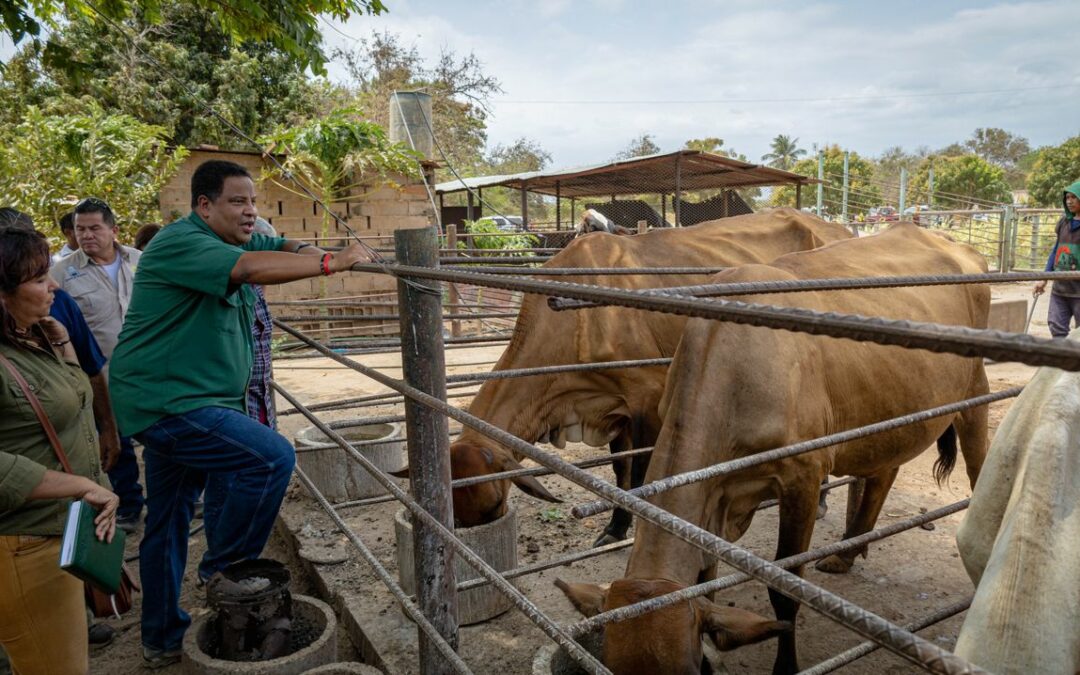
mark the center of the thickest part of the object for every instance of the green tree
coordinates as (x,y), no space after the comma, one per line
(1001,148)
(1055,168)
(518,157)
(522,155)
(289,25)
(255,86)
(640,146)
(715,146)
(53,158)
(887,168)
(864,193)
(784,152)
(960,182)
(336,153)
(460,90)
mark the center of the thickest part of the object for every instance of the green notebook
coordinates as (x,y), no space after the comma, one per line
(85,556)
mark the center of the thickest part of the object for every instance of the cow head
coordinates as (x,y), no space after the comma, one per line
(485,502)
(666,641)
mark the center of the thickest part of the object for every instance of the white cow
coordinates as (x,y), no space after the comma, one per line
(1020,539)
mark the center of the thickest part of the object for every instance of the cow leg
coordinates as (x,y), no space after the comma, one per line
(798,509)
(822,505)
(877,489)
(624,475)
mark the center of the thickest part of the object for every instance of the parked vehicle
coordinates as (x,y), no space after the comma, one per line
(505,223)
(882,214)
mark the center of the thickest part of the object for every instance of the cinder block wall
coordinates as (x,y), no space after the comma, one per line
(373,211)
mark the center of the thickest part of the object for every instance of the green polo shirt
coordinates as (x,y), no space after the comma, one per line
(186,340)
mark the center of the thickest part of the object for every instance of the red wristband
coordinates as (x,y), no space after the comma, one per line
(325,264)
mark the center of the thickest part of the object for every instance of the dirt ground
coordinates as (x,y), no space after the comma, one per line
(904,578)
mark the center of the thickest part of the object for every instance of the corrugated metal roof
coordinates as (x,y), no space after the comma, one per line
(640,175)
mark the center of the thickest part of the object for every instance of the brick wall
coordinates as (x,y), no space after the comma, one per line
(373,212)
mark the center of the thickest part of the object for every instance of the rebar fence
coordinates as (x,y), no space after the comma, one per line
(424,391)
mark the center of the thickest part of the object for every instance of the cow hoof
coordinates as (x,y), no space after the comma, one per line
(834,564)
(605,539)
(822,509)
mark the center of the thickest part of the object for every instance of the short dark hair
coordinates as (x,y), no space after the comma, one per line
(144,234)
(209,179)
(95,205)
(14,218)
(67,221)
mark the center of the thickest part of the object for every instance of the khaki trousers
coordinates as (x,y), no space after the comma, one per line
(42,610)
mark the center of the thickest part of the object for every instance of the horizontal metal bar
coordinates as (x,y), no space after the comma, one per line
(551,370)
(513,473)
(374,400)
(587,271)
(495,259)
(939,338)
(549,564)
(791,562)
(866,623)
(855,653)
(833,284)
(329,318)
(724,468)
(531,611)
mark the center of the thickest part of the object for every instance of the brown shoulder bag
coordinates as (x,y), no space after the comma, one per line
(102,604)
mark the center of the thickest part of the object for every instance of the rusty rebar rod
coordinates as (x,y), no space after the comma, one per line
(724,468)
(939,338)
(831,284)
(403,599)
(868,624)
(531,611)
(506,475)
(533,568)
(495,259)
(580,271)
(317,318)
(731,580)
(551,370)
(855,653)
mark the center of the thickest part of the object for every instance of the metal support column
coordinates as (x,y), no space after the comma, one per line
(470,214)
(821,182)
(903,192)
(678,190)
(798,195)
(524,206)
(843,203)
(424,366)
(454,295)
(558,205)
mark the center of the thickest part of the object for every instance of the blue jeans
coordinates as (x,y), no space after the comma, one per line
(180,452)
(217,490)
(124,477)
(1062,312)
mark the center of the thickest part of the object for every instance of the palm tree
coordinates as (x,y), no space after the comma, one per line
(785,152)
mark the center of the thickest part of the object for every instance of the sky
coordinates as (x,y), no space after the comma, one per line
(584,78)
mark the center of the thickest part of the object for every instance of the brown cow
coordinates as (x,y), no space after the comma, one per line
(616,407)
(734,391)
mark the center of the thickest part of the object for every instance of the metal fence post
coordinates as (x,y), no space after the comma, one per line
(1036,221)
(844,211)
(454,294)
(821,182)
(424,365)
(903,192)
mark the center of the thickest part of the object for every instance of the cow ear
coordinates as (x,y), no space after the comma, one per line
(731,627)
(400,473)
(586,598)
(527,484)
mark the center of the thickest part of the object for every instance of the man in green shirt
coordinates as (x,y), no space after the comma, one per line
(179,376)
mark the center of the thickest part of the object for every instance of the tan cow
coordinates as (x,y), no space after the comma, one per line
(734,391)
(610,406)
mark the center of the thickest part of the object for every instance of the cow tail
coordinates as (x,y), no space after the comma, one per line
(946,447)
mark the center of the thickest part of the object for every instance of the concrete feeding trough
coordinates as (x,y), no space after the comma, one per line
(495,542)
(314,644)
(336,474)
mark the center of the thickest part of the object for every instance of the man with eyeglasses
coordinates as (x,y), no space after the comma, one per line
(100,276)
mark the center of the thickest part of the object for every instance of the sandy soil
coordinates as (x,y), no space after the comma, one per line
(904,578)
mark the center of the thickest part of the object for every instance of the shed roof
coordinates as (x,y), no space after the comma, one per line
(639,175)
